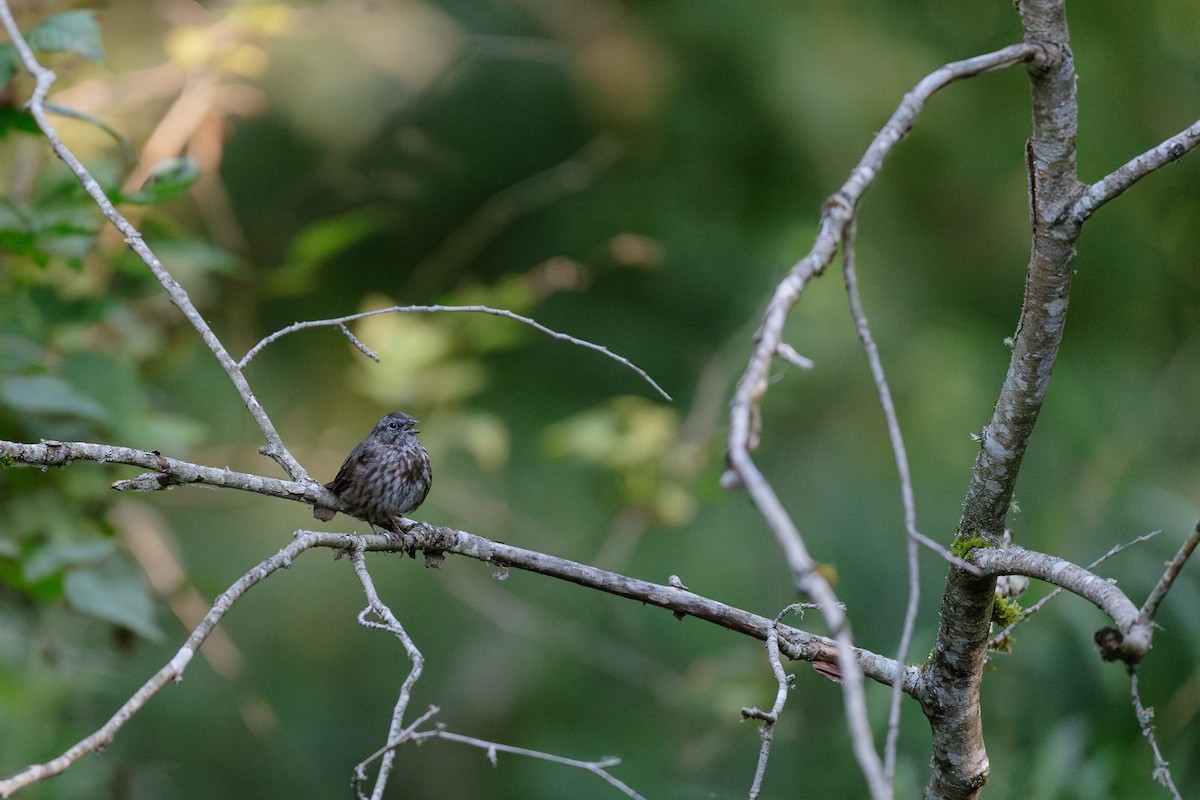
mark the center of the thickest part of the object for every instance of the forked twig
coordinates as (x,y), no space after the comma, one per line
(340,322)
(386,621)
(411,734)
(771,718)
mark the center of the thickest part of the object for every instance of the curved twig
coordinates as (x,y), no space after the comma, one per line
(476,309)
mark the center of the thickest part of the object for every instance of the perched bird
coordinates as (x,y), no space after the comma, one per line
(386,476)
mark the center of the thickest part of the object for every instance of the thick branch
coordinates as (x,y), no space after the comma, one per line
(1099,591)
(955,672)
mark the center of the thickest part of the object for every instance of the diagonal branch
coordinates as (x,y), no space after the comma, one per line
(36,105)
(900,454)
(173,670)
(1159,592)
(1138,167)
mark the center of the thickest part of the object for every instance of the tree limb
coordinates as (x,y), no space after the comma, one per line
(745,416)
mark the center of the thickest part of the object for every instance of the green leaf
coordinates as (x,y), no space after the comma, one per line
(68,32)
(52,558)
(47,394)
(113,591)
(168,179)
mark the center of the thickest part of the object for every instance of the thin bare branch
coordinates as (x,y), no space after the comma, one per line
(386,621)
(36,105)
(412,734)
(362,348)
(900,455)
(794,643)
(475,309)
(1115,183)
(1145,718)
(174,669)
(405,735)
(597,768)
(769,718)
(1159,592)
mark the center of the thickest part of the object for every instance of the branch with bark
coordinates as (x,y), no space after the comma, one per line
(947,686)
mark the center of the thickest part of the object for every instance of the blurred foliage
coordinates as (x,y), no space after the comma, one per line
(639,175)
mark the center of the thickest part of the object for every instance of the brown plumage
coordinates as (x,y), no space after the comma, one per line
(386,476)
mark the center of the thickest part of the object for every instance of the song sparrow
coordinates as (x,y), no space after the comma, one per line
(386,476)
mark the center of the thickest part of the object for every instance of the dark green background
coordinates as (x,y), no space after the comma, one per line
(735,121)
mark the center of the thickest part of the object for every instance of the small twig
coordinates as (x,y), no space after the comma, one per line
(769,718)
(997,641)
(1138,167)
(476,309)
(36,106)
(173,670)
(411,734)
(789,354)
(354,340)
(1159,592)
(597,768)
(1145,718)
(386,621)
(404,735)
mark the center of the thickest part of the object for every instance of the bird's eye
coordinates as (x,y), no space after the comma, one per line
(393,425)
